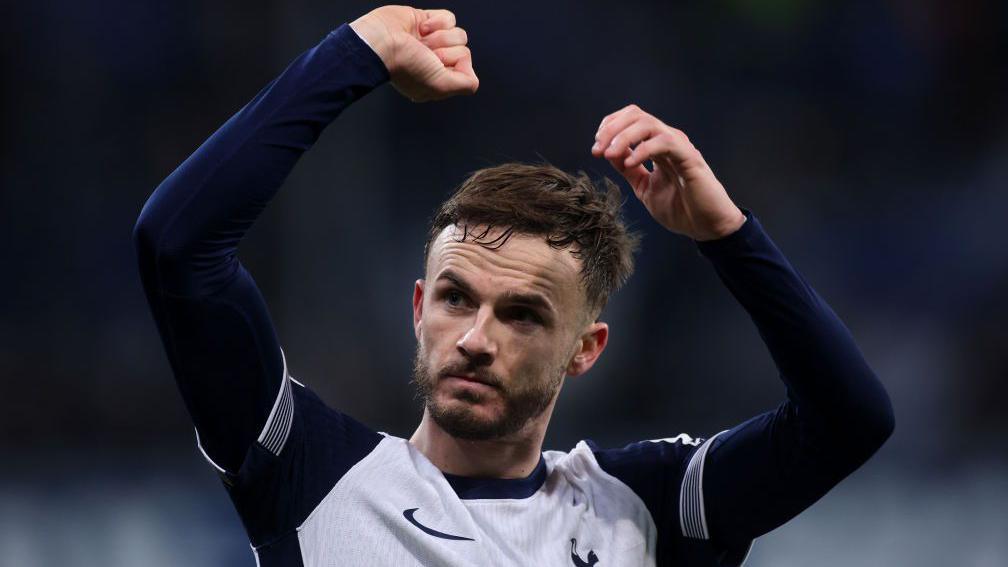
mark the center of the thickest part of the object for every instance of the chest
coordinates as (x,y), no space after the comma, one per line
(392,511)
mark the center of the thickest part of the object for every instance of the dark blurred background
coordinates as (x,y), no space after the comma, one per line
(869,137)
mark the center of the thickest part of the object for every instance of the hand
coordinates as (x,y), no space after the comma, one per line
(423,50)
(681,192)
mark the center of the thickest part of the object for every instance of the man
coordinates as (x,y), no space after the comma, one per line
(520,261)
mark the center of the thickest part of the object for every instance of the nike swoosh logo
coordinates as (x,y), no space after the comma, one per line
(408,514)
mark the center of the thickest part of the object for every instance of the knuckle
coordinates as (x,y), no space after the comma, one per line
(692,158)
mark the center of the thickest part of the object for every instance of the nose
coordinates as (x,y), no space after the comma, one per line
(477,345)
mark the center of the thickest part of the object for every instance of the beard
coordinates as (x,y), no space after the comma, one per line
(459,420)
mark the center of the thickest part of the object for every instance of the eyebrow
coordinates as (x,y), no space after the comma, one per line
(534,300)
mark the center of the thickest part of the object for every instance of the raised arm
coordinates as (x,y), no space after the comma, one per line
(760,474)
(212,319)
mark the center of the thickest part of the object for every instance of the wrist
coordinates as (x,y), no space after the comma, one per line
(722,228)
(375,35)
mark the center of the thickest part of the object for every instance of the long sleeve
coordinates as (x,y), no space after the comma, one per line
(709,498)
(213,321)
(765,471)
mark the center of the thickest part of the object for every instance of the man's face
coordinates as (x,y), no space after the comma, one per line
(496,330)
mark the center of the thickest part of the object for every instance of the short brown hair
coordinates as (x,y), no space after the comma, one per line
(569,211)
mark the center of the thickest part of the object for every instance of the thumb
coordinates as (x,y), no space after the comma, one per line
(635,176)
(452,82)
(458,76)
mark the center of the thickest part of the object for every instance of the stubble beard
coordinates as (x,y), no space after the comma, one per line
(459,420)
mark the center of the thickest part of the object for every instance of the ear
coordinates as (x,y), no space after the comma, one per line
(591,344)
(418,289)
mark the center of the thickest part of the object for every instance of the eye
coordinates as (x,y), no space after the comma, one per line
(525,316)
(454,298)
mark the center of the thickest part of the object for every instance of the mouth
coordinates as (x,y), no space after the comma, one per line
(468,380)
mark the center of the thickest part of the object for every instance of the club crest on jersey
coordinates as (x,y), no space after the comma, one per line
(592,558)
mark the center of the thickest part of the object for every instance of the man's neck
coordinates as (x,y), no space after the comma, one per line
(513,457)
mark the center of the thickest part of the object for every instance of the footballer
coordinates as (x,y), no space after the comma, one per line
(519,263)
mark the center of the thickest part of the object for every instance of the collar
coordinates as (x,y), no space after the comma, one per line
(473,488)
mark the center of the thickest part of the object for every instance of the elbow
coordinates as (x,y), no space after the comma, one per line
(857,427)
(153,241)
(147,241)
(156,238)
(882,422)
(145,237)
(157,230)
(159,251)
(875,424)
(171,258)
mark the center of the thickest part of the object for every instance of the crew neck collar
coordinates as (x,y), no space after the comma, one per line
(475,488)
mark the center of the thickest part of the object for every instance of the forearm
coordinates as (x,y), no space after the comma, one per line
(825,373)
(213,321)
(767,470)
(763,472)
(190,227)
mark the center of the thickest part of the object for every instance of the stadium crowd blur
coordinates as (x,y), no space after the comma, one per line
(871,138)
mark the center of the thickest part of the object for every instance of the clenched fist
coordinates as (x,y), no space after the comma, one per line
(423,50)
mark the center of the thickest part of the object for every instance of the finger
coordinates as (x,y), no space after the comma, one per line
(632,135)
(465,66)
(671,146)
(445,38)
(436,20)
(612,125)
(451,56)
(634,175)
(459,76)
(628,108)
(644,151)
(453,82)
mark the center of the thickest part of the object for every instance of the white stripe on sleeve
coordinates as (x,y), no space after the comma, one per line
(278,424)
(692,516)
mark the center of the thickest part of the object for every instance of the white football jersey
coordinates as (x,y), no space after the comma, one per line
(319,489)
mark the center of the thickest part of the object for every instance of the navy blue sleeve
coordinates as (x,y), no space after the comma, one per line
(665,474)
(710,500)
(213,321)
(764,472)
